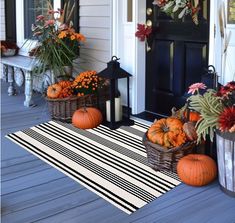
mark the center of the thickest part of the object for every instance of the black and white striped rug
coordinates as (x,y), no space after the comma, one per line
(111,163)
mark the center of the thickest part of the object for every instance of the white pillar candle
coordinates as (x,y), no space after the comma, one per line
(118,110)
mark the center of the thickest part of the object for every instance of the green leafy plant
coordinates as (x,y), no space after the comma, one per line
(58,43)
(212,106)
(209,107)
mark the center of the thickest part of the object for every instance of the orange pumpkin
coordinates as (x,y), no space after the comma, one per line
(54,90)
(196,169)
(65,84)
(167,132)
(193,116)
(87,118)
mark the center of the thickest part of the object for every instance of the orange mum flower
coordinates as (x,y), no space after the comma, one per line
(72,37)
(62,35)
(80,37)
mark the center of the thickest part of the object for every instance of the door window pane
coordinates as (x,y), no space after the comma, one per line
(129,10)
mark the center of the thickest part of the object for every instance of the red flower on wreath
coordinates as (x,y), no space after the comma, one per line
(143,31)
(160,3)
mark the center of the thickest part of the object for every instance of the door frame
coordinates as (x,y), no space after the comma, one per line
(138,79)
(137,66)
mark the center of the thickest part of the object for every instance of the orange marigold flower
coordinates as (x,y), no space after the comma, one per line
(80,37)
(71,30)
(72,37)
(62,35)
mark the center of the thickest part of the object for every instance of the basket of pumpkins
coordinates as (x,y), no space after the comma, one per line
(65,97)
(169,139)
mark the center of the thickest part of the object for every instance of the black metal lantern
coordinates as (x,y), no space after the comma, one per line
(112,73)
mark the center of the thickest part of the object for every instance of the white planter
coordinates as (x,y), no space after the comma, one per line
(225,143)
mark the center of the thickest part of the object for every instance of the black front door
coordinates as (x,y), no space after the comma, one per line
(178,57)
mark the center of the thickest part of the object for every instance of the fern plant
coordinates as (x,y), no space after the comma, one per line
(210,107)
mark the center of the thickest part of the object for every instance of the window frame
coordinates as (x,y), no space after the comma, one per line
(26,44)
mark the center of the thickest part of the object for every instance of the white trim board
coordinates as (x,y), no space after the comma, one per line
(131,51)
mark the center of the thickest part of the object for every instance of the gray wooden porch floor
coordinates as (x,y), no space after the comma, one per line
(32,191)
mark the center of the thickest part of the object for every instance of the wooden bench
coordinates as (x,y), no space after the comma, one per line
(26,64)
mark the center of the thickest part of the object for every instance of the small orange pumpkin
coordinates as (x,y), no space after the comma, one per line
(167,132)
(87,118)
(197,169)
(54,90)
(193,116)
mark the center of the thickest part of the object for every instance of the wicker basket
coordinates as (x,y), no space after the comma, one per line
(160,158)
(63,108)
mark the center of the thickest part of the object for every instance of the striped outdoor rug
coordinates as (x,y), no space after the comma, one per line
(111,163)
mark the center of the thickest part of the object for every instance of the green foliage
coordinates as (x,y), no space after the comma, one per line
(58,43)
(210,107)
(54,54)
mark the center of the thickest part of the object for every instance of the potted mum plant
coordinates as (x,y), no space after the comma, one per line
(58,43)
(217,111)
(8,48)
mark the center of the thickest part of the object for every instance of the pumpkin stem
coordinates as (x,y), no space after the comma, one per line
(165,128)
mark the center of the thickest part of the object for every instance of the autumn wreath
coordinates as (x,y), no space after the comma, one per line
(179,8)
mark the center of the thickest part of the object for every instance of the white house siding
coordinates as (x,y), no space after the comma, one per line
(95,24)
(2,20)
(2,27)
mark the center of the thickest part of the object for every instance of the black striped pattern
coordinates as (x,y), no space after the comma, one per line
(111,163)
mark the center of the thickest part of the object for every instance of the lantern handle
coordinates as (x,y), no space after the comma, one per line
(114,58)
